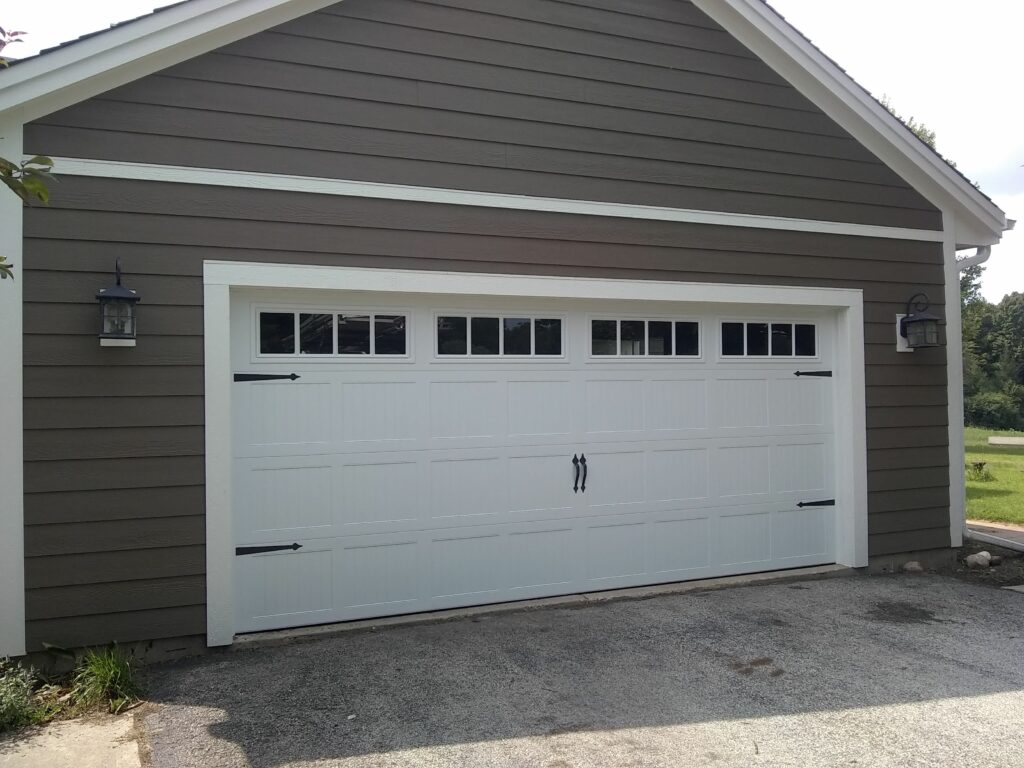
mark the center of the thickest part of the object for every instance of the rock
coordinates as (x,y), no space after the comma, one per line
(978,560)
(995,560)
(913,567)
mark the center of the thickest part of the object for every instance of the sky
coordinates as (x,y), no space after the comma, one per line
(953,65)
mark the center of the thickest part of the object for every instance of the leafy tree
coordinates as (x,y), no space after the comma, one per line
(28,178)
(920,130)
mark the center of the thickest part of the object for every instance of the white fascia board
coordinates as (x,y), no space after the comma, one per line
(12,496)
(824,83)
(83,69)
(112,169)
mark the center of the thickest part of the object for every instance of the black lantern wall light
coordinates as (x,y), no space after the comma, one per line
(917,328)
(118,305)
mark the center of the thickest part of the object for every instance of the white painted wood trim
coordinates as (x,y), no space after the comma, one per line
(220,276)
(58,79)
(220,553)
(12,485)
(822,81)
(109,169)
(954,389)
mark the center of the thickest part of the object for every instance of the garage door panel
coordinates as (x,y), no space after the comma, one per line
(614,479)
(268,488)
(288,416)
(541,408)
(801,533)
(739,403)
(286,588)
(541,482)
(799,402)
(676,546)
(467,566)
(744,538)
(381,492)
(741,472)
(615,406)
(800,468)
(379,574)
(467,488)
(676,405)
(615,552)
(540,558)
(467,409)
(677,474)
(379,414)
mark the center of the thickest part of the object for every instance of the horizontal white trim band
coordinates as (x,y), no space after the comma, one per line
(345,188)
(365,279)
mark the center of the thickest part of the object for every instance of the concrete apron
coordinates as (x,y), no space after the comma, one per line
(284,636)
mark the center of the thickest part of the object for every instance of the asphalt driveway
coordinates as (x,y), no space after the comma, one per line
(864,671)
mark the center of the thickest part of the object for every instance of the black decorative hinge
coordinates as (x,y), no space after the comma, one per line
(823,374)
(271,548)
(265,376)
(822,503)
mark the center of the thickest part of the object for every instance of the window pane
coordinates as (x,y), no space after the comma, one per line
(389,334)
(688,339)
(632,342)
(517,335)
(757,338)
(277,333)
(547,337)
(353,335)
(316,334)
(451,335)
(805,341)
(732,338)
(659,337)
(485,335)
(782,339)
(602,337)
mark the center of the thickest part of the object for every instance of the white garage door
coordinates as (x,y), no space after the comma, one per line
(400,454)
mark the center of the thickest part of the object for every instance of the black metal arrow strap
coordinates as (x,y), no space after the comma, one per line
(265,376)
(270,548)
(822,503)
(822,374)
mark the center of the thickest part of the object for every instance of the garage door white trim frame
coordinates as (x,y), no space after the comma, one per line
(220,277)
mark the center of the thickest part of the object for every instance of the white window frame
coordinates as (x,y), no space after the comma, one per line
(618,317)
(335,357)
(501,315)
(769,358)
(846,305)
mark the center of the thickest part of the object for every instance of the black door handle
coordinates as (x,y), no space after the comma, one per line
(583,461)
(576,463)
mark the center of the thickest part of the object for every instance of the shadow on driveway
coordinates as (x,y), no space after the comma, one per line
(868,670)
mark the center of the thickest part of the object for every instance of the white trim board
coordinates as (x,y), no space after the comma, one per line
(12,497)
(219,277)
(176,174)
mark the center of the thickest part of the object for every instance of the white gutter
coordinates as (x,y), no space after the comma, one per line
(980,257)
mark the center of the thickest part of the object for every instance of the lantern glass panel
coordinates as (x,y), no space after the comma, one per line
(118,318)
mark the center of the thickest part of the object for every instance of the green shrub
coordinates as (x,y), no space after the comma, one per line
(107,675)
(979,472)
(18,706)
(994,410)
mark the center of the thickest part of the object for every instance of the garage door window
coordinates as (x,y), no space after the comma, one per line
(332,334)
(489,336)
(644,338)
(764,339)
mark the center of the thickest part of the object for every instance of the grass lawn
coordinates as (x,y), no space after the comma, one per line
(1002,497)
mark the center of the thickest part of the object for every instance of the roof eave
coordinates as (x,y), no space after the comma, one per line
(73,73)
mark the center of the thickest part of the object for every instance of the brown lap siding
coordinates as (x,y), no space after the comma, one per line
(114,437)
